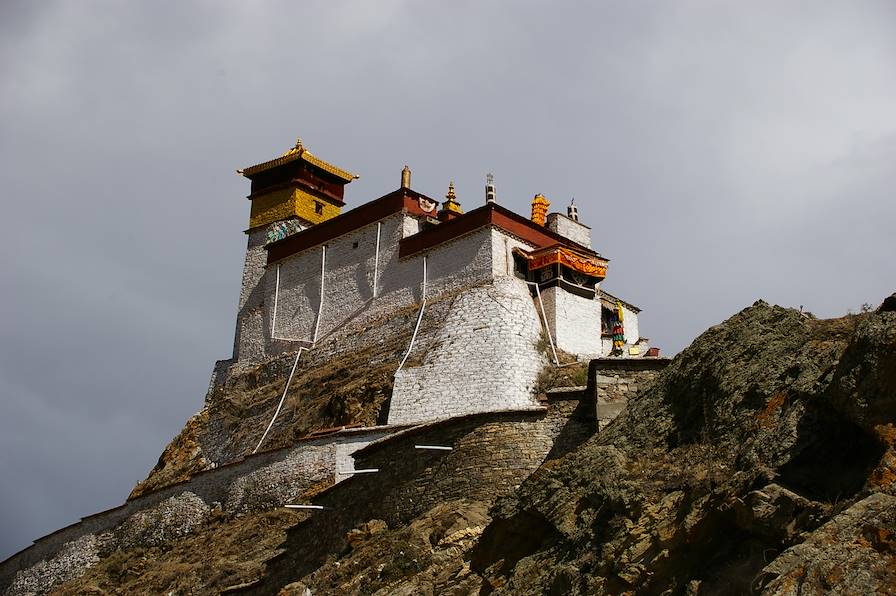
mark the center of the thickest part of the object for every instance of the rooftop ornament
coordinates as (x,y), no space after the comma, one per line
(298,152)
(540,209)
(406,177)
(451,203)
(572,212)
(490,196)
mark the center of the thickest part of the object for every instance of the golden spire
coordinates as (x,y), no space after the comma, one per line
(296,149)
(540,209)
(406,177)
(451,203)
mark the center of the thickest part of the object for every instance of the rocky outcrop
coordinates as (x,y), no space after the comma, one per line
(852,553)
(767,439)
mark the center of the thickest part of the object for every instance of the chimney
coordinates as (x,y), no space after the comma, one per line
(406,177)
(490,189)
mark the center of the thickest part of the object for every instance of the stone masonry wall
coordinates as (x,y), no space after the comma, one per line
(265,480)
(250,315)
(575,231)
(484,358)
(491,454)
(617,380)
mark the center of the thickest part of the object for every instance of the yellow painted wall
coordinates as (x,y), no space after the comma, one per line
(286,203)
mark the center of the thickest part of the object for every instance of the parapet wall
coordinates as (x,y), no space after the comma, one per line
(614,381)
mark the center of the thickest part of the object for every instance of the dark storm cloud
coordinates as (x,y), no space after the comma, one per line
(722,153)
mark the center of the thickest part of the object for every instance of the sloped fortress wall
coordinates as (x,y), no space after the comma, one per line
(485,358)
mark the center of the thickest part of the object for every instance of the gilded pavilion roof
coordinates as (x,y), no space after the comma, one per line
(298,152)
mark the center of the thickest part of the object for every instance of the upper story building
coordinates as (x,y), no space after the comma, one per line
(311,268)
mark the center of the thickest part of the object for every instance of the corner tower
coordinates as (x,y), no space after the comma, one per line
(288,194)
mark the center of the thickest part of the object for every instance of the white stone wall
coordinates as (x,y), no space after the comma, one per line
(250,324)
(348,280)
(575,231)
(574,322)
(485,358)
(410,226)
(630,326)
(502,252)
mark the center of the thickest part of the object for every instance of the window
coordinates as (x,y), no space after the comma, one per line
(318,207)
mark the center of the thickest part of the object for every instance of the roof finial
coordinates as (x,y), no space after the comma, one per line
(572,212)
(406,177)
(297,148)
(540,209)
(490,196)
(450,203)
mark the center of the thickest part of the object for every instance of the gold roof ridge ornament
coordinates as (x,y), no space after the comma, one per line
(297,152)
(451,203)
(295,149)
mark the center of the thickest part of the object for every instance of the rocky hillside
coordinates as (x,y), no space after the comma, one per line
(760,461)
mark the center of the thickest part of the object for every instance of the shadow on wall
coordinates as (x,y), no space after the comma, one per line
(578,427)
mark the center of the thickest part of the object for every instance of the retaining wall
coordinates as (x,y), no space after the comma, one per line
(265,480)
(491,454)
(614,381)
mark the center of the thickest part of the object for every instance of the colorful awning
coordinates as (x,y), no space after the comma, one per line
(587,264)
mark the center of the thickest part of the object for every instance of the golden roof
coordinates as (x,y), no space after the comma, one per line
(296,153)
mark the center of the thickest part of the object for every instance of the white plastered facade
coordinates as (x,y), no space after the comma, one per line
(486,357)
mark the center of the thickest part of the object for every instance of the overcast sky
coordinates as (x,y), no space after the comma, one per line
(721,151)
